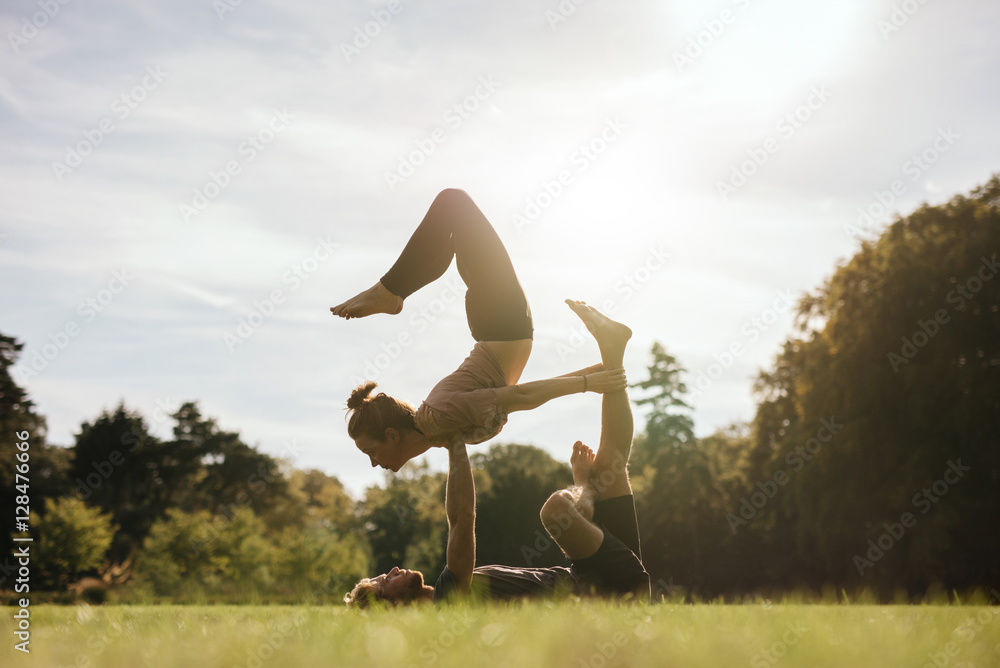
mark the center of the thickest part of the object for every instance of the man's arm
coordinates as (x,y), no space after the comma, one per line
(460,502)
(527,396)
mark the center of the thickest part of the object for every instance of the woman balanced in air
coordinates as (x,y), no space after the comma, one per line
(472,403)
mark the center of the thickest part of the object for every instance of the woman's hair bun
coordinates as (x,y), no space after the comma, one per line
(360,394)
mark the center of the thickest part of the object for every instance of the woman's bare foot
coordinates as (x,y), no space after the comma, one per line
(376,299)
(582,463)
(612,337)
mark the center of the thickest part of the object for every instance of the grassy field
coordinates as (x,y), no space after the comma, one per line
(573,634)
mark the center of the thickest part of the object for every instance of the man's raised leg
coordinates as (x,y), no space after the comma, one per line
(610,473)
(568,514)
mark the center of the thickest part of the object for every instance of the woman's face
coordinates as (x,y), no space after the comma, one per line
(386,453)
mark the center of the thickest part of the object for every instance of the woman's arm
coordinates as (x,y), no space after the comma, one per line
(527,396)
(583,372)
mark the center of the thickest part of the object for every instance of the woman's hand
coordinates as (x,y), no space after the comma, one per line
(602,382)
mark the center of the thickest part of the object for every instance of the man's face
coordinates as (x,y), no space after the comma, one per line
(400,584)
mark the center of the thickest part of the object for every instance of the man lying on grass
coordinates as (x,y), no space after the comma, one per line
(593,522)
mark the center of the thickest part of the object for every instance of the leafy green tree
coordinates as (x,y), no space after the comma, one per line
(669,426)
(326,500)
(406,521)
(679,503)
(173,561)
(893,373)
(512,483)
(72,539)
(211,469)
(117,467)
(47,465)
(316,563)
(186,556)
(122,468)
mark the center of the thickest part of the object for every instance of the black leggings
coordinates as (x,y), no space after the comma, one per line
(617,515)
(616,568)
(454,226)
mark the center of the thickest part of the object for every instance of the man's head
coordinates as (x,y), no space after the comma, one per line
(397,587)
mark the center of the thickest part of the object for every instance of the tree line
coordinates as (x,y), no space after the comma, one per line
(872,462)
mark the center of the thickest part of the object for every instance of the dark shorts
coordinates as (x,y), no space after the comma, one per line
(454,227)
(616,568)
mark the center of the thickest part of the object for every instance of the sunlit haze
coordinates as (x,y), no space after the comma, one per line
(188,187)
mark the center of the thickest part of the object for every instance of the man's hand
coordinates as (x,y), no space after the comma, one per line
(612,380)
(582,463)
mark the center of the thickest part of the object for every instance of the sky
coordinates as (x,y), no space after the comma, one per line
(188,187)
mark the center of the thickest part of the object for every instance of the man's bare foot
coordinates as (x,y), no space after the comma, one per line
(582,463)
(612,337)
(376,299)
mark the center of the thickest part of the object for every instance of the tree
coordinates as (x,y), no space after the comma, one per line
(406,521)
(326,500)
(123,469)
(317,563)
(512,483)
(72,539)
(47,466)
(185,556)
(211,469)
(891,378)
(669,424)
(116,468)
(679,503)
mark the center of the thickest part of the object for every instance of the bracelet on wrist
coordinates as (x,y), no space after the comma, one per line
(584,382)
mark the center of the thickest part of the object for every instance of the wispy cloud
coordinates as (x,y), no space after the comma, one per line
(561,75)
